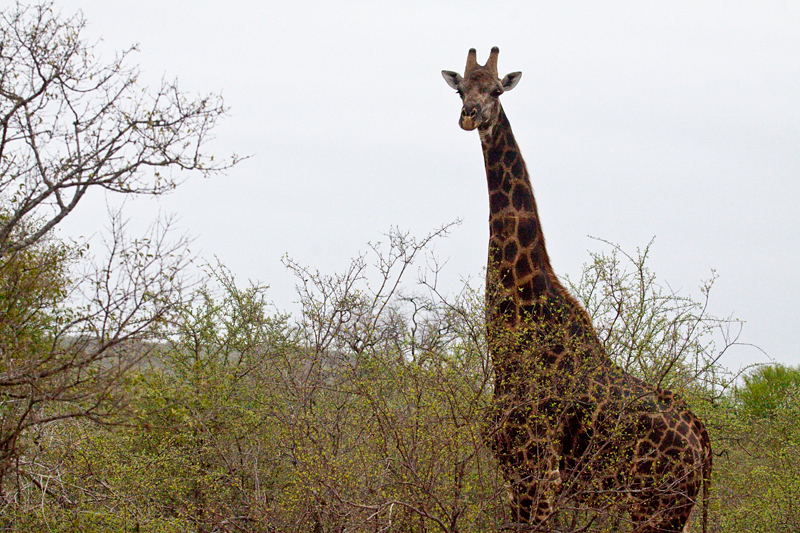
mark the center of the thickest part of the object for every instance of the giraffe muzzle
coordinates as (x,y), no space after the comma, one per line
(469,118)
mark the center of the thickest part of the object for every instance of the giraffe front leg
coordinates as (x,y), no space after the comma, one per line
(550,484)
(527,444)
(535,485)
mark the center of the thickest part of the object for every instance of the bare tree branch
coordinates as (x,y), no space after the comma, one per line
(69,124)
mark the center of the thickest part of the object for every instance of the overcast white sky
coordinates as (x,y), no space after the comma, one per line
(679,120)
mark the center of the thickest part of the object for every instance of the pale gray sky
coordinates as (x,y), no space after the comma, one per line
(679,120)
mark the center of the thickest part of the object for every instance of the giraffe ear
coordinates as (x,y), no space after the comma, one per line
(511,80)
(452,78)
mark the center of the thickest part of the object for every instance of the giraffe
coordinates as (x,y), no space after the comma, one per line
(566,424)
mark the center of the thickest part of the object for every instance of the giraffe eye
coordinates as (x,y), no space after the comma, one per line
(496,93)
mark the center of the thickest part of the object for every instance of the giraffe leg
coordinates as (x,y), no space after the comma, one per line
(535,487)
(528,446)
(532,498)
(663,515)
(670,495)
(549,487)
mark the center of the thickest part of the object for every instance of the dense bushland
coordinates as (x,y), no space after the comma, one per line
(366,411)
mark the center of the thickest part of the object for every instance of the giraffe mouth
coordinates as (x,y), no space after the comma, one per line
(469,120)
(468,123)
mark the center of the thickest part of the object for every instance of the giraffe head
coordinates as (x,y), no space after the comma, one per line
(480,88)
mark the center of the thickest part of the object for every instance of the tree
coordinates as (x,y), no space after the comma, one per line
(652,332)
(68,338)
(71,327)
(769,388)
(69,123)
(759,451)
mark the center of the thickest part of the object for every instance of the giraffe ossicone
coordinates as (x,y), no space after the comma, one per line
(567,424)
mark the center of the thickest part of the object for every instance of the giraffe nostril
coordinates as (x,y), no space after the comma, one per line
(470,112)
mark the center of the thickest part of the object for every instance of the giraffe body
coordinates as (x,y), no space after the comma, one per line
(567,424)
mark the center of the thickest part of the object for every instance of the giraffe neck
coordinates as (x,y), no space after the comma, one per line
(522,291)
(519,271)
